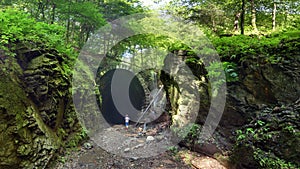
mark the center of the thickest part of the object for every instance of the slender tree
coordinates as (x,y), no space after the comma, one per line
(253,15)
(243,17)
(274,15)
(236,21)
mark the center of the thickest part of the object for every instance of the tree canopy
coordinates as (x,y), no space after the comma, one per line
(235,15)
(80,18)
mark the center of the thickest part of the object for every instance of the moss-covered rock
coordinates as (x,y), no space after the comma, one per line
(271,139)
(35,107)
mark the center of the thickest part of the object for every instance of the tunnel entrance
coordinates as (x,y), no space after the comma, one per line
(107,106)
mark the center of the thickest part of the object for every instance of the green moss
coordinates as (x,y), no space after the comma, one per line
(24,149)
(76,138)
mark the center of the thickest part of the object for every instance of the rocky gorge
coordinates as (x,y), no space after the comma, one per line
(259,126)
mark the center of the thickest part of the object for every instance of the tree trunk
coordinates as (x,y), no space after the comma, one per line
(243,17)
(68,30)
(68,24)
(53,13)
(236,22)
(142,60)
(214,25)
(253,16)
(40,11)
(274,16)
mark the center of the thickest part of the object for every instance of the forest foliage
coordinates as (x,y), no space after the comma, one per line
(268,48)
(79,18)
(239,16)
(17,26)
(72,22)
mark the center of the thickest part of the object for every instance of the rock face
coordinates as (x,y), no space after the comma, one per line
(36,110)
(271,83)
(259,84)
(182,89)
(271,139)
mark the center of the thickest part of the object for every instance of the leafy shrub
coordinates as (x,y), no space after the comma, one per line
(16,26)
(230,71)
(269,141)
(215,74)
(273,48)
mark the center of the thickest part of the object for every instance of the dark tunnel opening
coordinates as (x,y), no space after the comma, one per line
(107,106)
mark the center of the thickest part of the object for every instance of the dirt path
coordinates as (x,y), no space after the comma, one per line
(100,159)
(91,156)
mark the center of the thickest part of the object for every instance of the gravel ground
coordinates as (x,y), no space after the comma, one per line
(139,156)
(98,158)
